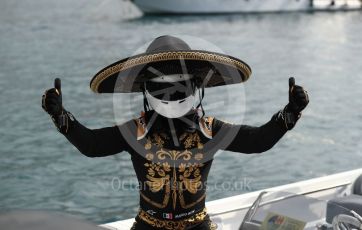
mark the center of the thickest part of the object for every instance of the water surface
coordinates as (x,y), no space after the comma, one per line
(43,39)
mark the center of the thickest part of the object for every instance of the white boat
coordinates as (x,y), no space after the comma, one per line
(242,6)
(316,203)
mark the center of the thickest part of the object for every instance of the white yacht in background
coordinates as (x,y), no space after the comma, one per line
(323,203)
(242,6)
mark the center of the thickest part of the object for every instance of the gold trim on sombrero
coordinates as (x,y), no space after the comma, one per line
(166,56)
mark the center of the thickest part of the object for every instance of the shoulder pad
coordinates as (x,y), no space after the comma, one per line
(205,124)
(142,129)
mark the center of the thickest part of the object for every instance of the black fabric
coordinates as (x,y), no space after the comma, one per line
(173,67)
(251,139)
(167,43)
(96,142)
(298,99)
(52,102)
(171,91)
(207,224)
(112,140)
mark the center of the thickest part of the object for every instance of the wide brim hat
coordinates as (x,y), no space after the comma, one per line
(169,55)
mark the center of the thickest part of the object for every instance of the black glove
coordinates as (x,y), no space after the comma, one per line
(52,104)
(298,100)
(52,100)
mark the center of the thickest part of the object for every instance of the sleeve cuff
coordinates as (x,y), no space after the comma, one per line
(64,121)
(286,119)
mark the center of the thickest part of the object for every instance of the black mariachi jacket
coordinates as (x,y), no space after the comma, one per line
(172,157)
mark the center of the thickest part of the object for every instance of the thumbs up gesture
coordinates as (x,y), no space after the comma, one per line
(52,99)
(298,97)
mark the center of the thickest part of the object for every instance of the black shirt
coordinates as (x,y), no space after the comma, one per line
(172,157)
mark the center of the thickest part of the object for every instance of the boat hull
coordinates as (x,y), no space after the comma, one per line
(241,6)
(230,211)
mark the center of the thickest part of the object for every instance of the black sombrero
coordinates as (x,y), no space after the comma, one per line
(169,55)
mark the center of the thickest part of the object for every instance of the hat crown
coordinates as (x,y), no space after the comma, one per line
(167,43)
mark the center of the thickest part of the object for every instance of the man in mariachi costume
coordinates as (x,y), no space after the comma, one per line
(173,142)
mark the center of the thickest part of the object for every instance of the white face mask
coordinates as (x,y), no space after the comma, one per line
(171,109)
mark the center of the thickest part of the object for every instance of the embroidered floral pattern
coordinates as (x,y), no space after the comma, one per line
(172,170)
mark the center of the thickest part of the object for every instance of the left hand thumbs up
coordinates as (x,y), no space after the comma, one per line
(298,97)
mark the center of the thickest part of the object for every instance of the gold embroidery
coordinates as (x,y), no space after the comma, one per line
(191,185)
(160,176)
(172,224)
(174,154)
(157,140)
(191,140)
(156,169)
(157,205)
(148,144)
(158,183)
(199,156)
(182,201)
(149,156)
(200,146)
(174,188)
(166,166)
(212,225)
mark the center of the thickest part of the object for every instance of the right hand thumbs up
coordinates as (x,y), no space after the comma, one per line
(52,99)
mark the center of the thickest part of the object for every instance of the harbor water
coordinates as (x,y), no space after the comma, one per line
(44,39)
